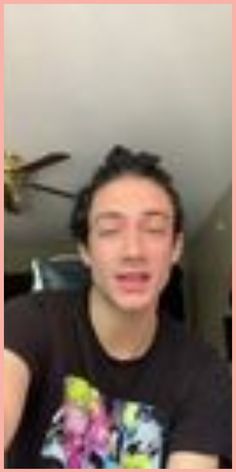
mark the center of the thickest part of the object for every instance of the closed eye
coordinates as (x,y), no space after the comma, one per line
(155,230)
(108,231)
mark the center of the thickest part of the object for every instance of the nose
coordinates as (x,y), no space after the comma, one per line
(133,247)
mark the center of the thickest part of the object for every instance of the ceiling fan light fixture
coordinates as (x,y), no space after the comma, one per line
(12,199)
(17,175)
(12,162)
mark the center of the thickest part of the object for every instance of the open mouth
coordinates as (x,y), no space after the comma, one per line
(133,281)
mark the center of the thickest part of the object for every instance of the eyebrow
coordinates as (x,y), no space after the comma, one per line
(108,215)
(158,213)
(116,215)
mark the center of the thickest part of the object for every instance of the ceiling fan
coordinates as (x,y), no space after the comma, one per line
(17,175)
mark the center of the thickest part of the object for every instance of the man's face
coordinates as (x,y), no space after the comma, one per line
(131,243)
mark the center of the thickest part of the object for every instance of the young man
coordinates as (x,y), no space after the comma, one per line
(105,379)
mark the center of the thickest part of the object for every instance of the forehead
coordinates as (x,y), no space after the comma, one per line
(131,195)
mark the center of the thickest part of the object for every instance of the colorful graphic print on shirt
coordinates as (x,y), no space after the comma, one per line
(93,431)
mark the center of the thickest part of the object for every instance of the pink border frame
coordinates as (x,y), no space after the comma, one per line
(233,169)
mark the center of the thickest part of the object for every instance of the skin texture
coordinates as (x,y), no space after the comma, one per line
(131,230)
(131,250)
(192,460)
(16,385)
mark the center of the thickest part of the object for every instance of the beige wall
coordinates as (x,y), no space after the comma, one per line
(209,272)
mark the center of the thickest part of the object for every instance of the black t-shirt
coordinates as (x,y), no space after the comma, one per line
(88,410)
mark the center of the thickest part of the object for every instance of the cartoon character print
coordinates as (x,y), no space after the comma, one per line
(91,431)
(141,448)
(86,425)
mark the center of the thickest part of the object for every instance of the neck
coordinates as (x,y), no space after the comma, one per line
(124,335)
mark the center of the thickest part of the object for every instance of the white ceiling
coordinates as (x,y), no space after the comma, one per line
(83,77)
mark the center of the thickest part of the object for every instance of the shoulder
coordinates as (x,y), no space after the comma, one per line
(188,345)
(192,359)
(33,320)
(39,302)
(202,385)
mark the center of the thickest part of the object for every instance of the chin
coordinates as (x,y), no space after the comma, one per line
(133,304)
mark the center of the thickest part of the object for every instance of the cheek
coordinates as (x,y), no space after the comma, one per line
(161,249)
(161,257)
(102,256)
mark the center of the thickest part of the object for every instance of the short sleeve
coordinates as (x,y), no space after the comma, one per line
(25,330)
(203,418)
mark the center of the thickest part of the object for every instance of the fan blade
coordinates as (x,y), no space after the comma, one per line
(49,189)
(44,161)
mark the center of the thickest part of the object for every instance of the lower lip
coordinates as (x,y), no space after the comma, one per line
(132,285)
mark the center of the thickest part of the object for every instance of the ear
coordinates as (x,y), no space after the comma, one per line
(178,248)
(84,255)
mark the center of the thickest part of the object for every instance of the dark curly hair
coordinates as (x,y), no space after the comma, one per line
(121,161)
